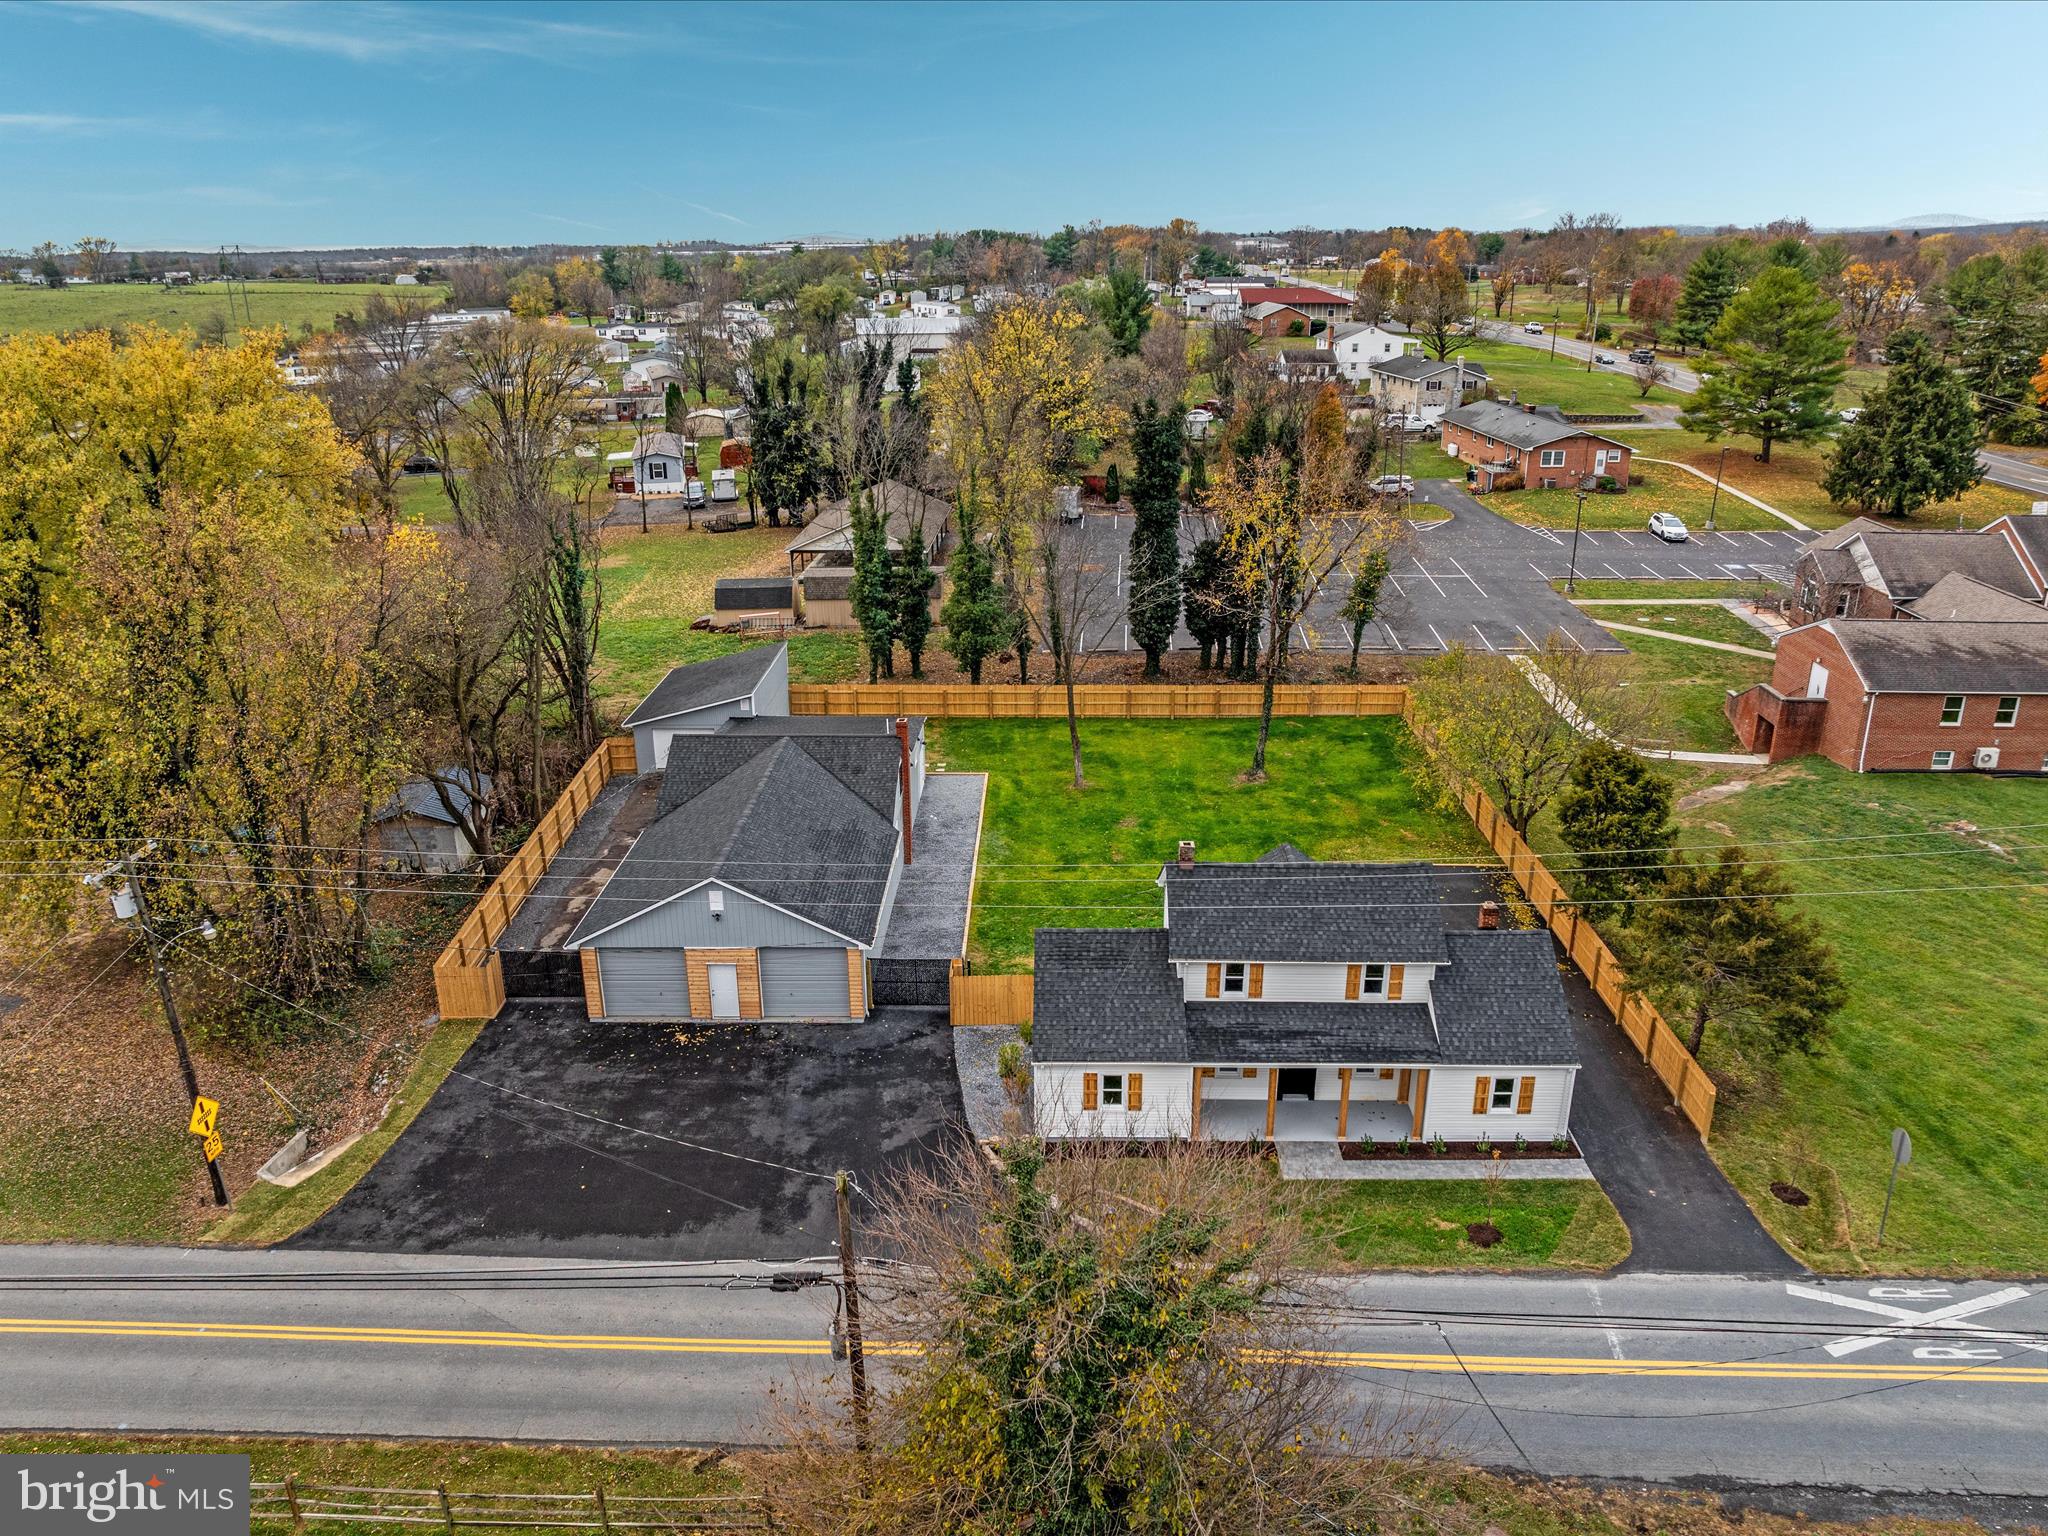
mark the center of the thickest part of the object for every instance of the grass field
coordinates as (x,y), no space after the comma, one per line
(656,583)
(1388,1224)
(1791,481)
(1689,683)
(1664,489)
(291,305)
(1543,380)
(1702,623)
(1336,788)
(1664,591)
(1938,936)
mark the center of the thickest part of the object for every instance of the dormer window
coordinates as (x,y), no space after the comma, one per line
(1372,982)
(1233,978)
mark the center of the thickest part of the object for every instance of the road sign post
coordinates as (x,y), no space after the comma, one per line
(1902,1154)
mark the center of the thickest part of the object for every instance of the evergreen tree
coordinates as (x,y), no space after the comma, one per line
(1124,305)
(977,619)
(912,579)
(1790,251)
(1998,327)
(1915,441)
(1060,248)
(1724,949)
(872,595)
(673,409)
(1155,531)
(1362,602)
(1714,278)
(1615,814)
(1113,486)
(1209,606)
(1778,358)
(1198,471)
(906,386)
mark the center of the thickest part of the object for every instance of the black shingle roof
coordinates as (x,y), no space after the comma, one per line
(868,762)
(1946,655)
(1315,912)
(706,682)
(1499,1000)
(1355,1033)
(1105,994)
(778,825)
(742,592)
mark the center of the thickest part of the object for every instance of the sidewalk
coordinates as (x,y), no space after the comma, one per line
(1585,727)
(1729,490)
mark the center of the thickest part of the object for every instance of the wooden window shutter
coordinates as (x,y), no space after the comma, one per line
(1525,1098)
(1215,979)
(1480,1089)
(1351,975)
(1394,982)
(1257,987)
(1134,1091)
(1089,1085)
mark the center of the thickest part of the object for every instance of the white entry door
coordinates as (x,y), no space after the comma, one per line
(725,991)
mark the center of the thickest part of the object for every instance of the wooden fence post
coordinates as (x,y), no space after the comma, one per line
(447,1510)
(291,1500)
(604,1516)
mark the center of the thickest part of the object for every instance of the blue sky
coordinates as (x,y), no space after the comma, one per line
(167,123)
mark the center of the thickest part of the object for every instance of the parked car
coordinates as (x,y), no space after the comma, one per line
(1604,359)
(1668,527)
(1394,485)
(1533,329)
(693,493)
(1415,424)
(1643,355)
(1851,414)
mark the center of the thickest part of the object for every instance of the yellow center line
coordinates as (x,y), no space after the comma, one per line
(1962,1372)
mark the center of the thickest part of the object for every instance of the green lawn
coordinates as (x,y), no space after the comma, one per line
(287,304)
(1560,381)
(1690,683)
(1791,481)
(1338,788)
(657,583)
(1664,489)
(1702,623)
(424,498)
(1421,460)
(1664,591)
(1940,941)
(1389,1224)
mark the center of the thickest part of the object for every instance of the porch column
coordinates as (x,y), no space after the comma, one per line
(1272,1098)
(1202,1075)
(1421,1081)
(1343,1101)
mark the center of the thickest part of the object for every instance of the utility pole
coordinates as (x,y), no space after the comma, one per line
(1716,502)
(163,992)
(1571,581)
(850,1289)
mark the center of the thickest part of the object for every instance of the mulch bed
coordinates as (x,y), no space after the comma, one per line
(1424,1151)
(1482,1234)
(1791,1194)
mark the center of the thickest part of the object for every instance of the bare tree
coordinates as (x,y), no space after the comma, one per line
(1648,374)
(1069,592)
(96,257)
(703,340)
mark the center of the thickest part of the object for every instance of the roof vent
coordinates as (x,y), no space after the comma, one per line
(1187,853)
(1489,914)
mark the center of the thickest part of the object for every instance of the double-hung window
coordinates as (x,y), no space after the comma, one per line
(1503,1096)
(1553,458)
(1233,978)
(1944,760)
(1112,1090)
(2008,711)
(1952,709)
(1372,981)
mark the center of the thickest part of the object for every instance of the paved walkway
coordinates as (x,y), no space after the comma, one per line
(1322,1160)
(1578,721)
(932,899)
(1729,490)
(1665,634)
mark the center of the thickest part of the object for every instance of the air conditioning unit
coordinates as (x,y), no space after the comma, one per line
(1985,757)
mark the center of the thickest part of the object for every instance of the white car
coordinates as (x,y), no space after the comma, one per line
(1668,528)
(1394,485)
(1851,414)
(1533,329)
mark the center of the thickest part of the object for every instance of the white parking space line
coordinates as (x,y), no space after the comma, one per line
(1623,537)
(1419,571)
(1610,570)
(1469,577)
(1389,629)
(1735,571)
(1575,640)
(1118,589)
(1127,637)
(1525,635)
(1439,638)
(1482,637)
(1588,535)
(1655,574)
(1539,570)
(1725,538)
(1397,585)
(1759,538)
(1695,575)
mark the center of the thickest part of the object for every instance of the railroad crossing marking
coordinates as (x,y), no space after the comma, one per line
(1952,1316)
(205,1114)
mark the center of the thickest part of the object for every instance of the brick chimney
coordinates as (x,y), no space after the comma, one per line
(903,742)
(1187,853)
(1489,914)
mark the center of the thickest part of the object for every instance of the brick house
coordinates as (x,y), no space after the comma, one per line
(1500,440)
(1866,570)
(1879,695)
(1275,320)
(1313,303)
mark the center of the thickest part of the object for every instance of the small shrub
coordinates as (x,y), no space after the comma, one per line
(1438,1146)
(1609,484)
(1635,477)
(1296,328)
(1010,1060)
(1366,1143)
(1484,1144)
(1521,1142)
(1603,332)
(1024,1031)
(1560,1142)
(1510,483)
(1403,1146)
(1113,486)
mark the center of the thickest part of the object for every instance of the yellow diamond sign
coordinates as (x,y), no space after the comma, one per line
(205,1113)
(212,1147)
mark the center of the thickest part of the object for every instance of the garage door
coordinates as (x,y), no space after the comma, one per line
(644,983)
(804,983)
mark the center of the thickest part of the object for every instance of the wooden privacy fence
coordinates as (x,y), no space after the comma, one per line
(1111,701)
(1690,1087)
(295,1506)
(989,999)
(469,982)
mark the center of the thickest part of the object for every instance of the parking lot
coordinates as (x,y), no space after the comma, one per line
(1470,577)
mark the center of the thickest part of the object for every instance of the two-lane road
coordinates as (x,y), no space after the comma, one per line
(1911,1387)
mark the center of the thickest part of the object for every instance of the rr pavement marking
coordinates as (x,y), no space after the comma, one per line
(1337,1359)
(1952,1314)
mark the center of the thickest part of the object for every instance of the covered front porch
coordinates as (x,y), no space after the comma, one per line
(1306,1104)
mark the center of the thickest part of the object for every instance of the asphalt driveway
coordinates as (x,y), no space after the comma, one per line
(563,1138)
(1683,1216)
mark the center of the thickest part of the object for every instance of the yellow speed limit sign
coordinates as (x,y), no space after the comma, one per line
(212,1147)
(205,1115)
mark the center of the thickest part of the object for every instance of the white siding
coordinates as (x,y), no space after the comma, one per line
(1167,1110)
(1294,982)
(1449,1111)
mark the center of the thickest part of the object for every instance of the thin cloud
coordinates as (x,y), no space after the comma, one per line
(364,33)
(557,218)
(62,123)
(730,218)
